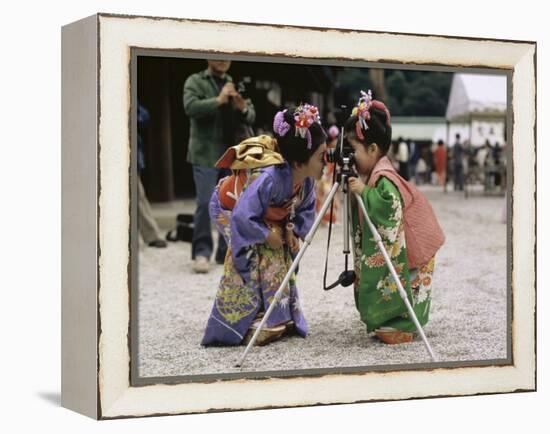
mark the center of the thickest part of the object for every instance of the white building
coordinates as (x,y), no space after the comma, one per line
(476,109)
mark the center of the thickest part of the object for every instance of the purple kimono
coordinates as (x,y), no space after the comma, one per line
(253,271)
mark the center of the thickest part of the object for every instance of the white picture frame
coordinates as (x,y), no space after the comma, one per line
(96,140)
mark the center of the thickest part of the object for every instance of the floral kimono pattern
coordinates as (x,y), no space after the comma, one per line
(253,271)
(376,295)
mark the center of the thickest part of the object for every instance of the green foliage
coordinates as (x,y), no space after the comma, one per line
(418,93)
(349,82)
(410,93)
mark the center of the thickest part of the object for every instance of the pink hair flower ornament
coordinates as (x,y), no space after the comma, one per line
(362,109)
(304,117)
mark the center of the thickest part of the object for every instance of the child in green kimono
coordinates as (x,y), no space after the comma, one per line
(404,220)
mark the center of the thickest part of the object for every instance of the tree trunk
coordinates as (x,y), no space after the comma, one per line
(379,86)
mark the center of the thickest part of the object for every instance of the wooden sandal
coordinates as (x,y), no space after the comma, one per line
(267,334)
(393,336)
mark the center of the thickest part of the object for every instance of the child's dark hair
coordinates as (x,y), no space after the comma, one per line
(379,129)
(292,146)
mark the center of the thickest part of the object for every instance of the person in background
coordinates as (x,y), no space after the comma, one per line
(482,153)
(392,152)
(215,110)
(497,152)
(147,225)
(458,164)
(324,185)
(421,170)
(414,153)
(440,162)
(402,157)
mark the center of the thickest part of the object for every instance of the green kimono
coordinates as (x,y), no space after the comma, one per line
(376,296)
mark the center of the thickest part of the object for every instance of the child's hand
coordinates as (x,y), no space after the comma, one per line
(356,185)
(274,240)
(292,241)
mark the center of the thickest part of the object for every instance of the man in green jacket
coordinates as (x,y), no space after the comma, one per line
(215,111)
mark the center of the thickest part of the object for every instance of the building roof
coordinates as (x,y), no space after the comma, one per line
(476,96)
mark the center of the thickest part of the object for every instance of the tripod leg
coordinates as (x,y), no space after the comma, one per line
(278,294)
(400,288)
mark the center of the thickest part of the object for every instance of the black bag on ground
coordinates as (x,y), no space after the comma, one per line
(183,230)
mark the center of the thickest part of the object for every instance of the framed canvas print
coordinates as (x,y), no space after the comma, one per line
(260,216)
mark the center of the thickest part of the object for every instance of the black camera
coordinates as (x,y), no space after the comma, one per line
(242,85)
(342,154)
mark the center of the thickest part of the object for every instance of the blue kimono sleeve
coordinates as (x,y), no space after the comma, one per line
(305,212)
(247,221)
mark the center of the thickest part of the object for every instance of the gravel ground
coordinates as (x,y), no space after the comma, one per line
(468,316)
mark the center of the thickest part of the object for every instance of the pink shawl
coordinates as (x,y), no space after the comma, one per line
(423,235)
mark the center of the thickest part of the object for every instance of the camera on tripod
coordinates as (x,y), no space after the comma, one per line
(342,154)
(343,158)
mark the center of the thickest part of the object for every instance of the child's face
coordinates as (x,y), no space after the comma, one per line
(365,158)
(314,167)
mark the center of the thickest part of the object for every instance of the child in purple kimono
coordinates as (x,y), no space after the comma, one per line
(275,209)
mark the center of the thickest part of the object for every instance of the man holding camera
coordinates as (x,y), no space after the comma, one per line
(215,111)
